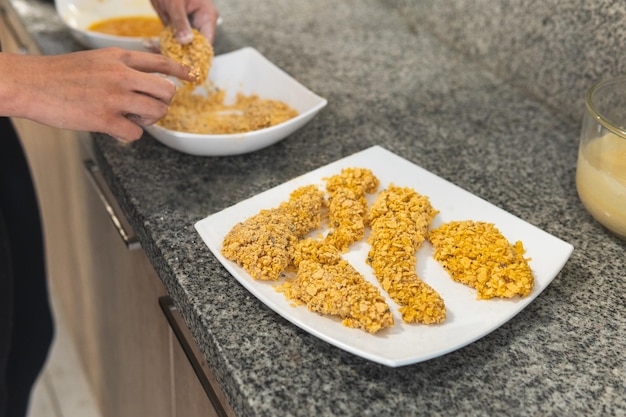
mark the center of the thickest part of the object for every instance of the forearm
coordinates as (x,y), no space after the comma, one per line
(108,90)
(13,87)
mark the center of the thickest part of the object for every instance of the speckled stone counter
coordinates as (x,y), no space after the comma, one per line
(552,49)
(405,90)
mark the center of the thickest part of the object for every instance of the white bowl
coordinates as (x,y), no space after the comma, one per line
(246,71)
(78,15)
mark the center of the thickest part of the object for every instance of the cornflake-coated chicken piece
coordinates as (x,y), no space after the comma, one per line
(264,244)
(333,287)
(477,254)
(197,55)
(400,218)
(320,251)
(347,205)
(326,283)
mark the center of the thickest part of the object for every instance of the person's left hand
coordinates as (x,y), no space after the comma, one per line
(185,14)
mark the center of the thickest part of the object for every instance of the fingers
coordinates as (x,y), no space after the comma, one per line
(146,94)
(161,11)
(146,110)
(142,121)
(149,63)
(129,128)
(203,15)
(124,130)
(205,20)
(177,16)
(155,87)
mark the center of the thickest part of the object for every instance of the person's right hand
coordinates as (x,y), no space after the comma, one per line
(109,90)
(185,14)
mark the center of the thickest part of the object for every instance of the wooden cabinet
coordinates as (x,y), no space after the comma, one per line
(196,392)
(129,366)
(107,292)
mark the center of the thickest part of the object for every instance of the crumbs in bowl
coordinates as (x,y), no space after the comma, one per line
(208,113)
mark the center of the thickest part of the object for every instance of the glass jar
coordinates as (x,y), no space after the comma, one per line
(601,167)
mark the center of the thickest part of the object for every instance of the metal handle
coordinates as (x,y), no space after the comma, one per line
(105,195)
(204,375)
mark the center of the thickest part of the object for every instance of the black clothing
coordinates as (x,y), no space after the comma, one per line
(26,322)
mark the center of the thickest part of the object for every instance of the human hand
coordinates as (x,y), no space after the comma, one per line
(183,14)
(111,90)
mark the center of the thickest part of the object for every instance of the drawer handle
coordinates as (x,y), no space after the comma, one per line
(171,312)
(95,176)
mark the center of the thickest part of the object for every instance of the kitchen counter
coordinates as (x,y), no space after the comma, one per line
(391,85)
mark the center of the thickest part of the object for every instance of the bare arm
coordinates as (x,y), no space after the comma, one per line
(110,90)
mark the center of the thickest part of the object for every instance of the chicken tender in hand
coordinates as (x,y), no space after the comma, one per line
(197,55)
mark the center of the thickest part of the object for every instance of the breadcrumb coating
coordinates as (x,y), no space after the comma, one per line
(337,289)
(477,254)
(321,251)
(326,283)
(264,244)
(348,206)
(400,218)
(329,285)
(197,55)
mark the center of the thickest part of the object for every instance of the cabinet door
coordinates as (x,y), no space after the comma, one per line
(190,399)
(131,364)
(195,391)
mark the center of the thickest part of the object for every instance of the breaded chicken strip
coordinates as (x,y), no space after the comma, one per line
(264,244)
(325,282)
(197,55)
(347,205)
(321,251)
(478,255)
(329,285)
(400,218)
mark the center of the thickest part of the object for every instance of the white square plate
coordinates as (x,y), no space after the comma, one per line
(468,318)
(246,71)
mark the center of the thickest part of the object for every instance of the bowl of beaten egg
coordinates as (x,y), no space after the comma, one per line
(243,75)
(127,24)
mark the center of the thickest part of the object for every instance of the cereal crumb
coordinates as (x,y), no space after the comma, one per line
(197,55)
(264,244)
(400,218)
(477,254)
(347,205)
(338,289)
(193,112)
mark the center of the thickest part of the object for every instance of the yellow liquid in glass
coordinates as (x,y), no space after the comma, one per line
(601,181)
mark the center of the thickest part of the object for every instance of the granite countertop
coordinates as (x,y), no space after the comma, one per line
(390,85)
